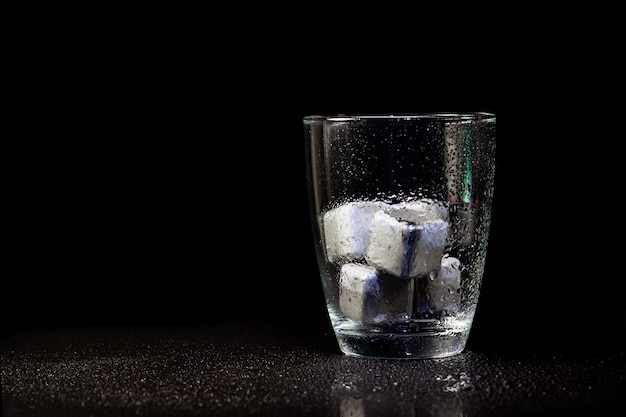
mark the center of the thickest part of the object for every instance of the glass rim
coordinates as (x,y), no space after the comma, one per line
(430,116)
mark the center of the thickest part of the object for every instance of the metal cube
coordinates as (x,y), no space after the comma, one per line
(347,230)
(369,297)
(443,288)
(404,248)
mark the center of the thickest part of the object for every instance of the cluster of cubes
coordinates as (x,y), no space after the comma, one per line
(385,253)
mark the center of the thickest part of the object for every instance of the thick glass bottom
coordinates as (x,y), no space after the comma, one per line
(401,345)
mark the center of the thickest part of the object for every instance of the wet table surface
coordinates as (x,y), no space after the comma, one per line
(249,369)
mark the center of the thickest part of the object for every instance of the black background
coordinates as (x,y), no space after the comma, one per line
(162,178)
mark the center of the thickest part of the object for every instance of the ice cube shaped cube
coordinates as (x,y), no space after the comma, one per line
(442,289)
(370,297)
(407,242)
(429,248)
(420,211)
(432,218)
(347,229)
(392,244)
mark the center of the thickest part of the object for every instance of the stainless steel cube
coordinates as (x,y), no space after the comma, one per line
(420,211)
(347,229)
(404,248)
(443,288)
(369,297)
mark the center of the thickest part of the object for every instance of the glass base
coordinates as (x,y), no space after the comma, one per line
(401,346)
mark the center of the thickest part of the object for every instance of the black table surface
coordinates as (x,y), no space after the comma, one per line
(255,368)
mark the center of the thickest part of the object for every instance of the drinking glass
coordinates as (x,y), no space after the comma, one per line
(401,210)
